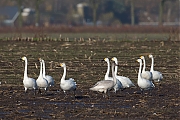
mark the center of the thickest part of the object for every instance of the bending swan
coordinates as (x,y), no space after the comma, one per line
(29,83)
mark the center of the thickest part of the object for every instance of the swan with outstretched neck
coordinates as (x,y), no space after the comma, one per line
(106,77)
(67,85)
(145,74)
(144,84)
(29,83)
(126,82)
(105,85)
(42,83)
(156,75)
(47,77)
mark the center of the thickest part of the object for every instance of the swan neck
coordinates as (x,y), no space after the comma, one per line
(113,74)
(25,71)
(152,64)
(139,73)
(144,66)
(116,68)
(108,69)
(44,71)
(64,74)
(40,72)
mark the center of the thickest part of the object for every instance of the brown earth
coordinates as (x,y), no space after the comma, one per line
(83,60)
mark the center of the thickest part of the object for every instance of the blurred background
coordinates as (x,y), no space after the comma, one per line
(116,13)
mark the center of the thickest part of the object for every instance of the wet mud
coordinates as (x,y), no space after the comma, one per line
(84,64)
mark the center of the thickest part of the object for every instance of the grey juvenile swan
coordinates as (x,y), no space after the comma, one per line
(105,85)
(106,77)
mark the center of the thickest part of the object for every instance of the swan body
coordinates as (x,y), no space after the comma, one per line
(47,77)
(156,75)
(145,74)
(106,77)
(67,85)
(29,83)
(105,85)
(144,84)
(41,81)
(126,82)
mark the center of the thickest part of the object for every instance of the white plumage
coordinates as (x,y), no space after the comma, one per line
(42,83)
(29,83)
(144,84)
(145,74)
(126,82)
(156,75)
(67,85)
(47,77)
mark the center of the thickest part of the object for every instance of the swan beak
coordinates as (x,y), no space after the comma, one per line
(61,64)
(39,59)
(22,58)
(141,57)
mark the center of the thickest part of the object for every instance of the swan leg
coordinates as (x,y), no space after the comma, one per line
(34,91)
(74,94)
(25,89)
(39,91)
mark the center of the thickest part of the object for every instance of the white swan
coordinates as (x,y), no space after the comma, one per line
(145,74)
(42,83)
(29,83)
(106,77)
(156,75)
(144,84)
(105,85)
(47,77)
(126,82)
(67,85)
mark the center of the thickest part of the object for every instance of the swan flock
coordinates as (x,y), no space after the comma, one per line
(145,78)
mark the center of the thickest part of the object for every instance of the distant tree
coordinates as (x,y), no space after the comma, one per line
(37,3)
(132,12)
(20,11)
(94,5)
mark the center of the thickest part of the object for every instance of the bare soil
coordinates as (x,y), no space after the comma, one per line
(83,60)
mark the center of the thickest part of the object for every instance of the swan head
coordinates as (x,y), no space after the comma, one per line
(40,60)
(62,64)
(114,59)
(139,60)
(23,58)
(106,59)
(142,57)
(150,56)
